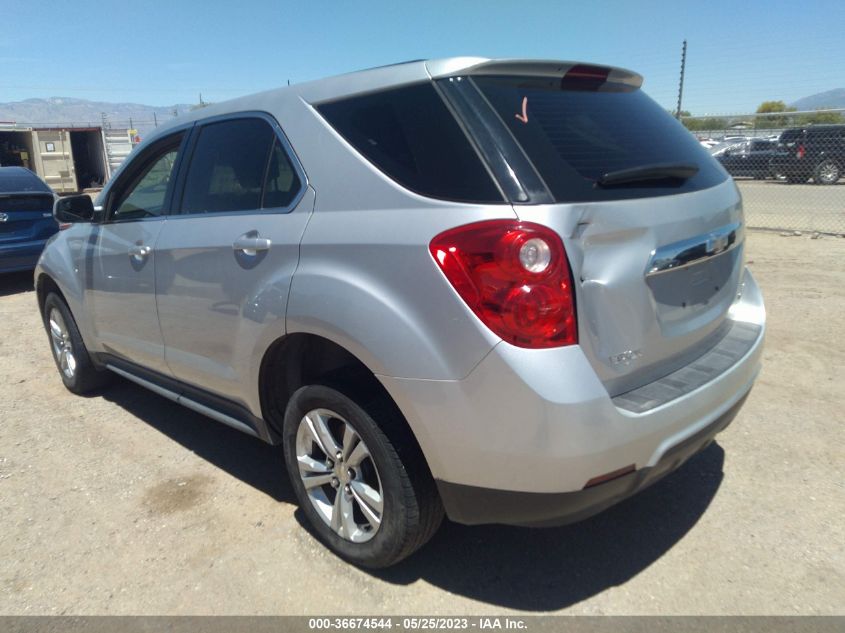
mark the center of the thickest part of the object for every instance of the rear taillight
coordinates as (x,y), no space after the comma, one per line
(801,151)
(515,278)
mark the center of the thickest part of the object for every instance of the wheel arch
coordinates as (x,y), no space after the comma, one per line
(299,359)
(44,285)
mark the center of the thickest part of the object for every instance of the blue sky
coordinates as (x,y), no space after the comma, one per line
(164,52)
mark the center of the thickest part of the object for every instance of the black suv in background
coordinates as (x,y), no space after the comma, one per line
(749,158)
(816,152)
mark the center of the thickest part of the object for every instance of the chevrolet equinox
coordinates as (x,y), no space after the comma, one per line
(503,291)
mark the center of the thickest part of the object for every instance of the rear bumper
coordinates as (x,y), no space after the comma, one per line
(471,505)
(530,428)
(20,256)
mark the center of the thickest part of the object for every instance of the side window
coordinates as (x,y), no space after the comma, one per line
(145,193)
(236,165)
(282,183)
(410,135)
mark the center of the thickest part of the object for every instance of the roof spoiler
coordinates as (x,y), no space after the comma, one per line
(440,68)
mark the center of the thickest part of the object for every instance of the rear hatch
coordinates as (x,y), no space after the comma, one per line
(26,217)
(651,222)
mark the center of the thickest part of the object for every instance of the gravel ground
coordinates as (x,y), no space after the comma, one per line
(125,503)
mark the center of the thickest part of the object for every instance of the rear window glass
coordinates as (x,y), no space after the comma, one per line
(39,202)
(16,179)
(575,136)
(410,135)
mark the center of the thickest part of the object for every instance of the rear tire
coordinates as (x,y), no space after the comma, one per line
(370,496)
(827,172)
(69,352)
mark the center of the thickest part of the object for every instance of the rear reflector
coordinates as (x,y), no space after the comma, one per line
(616,474)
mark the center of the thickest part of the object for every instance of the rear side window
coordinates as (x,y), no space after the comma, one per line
(576,134)
(410,135)
(790,137)
(282,183)
(238,165)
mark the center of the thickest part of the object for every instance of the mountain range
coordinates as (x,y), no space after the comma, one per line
(57,111)
(831,99)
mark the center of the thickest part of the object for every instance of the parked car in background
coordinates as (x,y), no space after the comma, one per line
(723,144)
(749,158)
(816,152)
(510,291)
(26,218)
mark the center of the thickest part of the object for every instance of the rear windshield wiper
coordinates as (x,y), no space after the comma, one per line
(657,171)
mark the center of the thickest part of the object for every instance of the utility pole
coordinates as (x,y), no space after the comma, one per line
(681,84)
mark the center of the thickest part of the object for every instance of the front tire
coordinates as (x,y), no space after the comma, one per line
(72,359)
(359,476)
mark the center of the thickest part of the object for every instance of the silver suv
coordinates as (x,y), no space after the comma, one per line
(508,291)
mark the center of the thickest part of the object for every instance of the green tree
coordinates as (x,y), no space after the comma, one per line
(819,118)
(706,123)
(769,107)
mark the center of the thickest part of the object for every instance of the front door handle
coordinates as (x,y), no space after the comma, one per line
(139,251)
(250,243)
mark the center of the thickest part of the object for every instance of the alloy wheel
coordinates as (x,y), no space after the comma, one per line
(339,475)
(62,346)
(829,172)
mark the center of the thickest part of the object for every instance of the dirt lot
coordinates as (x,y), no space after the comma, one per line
(128,504)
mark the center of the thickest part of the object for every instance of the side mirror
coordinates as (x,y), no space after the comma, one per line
(74,209)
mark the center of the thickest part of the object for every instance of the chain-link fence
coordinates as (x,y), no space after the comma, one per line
(789,166)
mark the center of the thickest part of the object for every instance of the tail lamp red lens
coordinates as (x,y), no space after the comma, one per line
(801,152)
(515,277)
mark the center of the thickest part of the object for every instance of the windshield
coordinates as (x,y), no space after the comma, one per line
(575,134)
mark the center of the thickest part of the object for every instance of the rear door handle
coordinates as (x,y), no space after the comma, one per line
(250,243)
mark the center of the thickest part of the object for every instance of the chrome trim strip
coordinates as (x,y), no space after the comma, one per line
(170,395)
(186,402)
(695,249)
(216,415)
